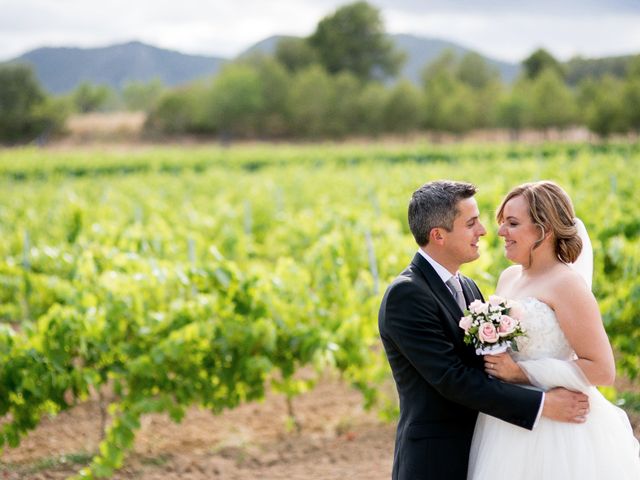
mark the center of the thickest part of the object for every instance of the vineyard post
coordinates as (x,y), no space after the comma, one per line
(373,265)
(191,247)
(26,247)
(279,200)
(26,266)
(613,180)
(292,414)
(248,220)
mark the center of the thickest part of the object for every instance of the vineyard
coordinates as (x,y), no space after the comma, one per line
(207,276)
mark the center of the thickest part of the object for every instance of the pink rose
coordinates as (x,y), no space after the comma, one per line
(465,323)
(488,333)
(478,307)
(495,300)
(507,326)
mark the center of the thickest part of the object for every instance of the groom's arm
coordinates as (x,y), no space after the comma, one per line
(415,328)
(504,368)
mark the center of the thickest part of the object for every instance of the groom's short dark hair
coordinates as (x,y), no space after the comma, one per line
(435,205)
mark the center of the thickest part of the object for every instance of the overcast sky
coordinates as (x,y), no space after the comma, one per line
(504,29)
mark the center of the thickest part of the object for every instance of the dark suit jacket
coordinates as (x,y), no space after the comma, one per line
(440,380)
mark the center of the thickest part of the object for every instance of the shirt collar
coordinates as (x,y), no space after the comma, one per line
(442,272)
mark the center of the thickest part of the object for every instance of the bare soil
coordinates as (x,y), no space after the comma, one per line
(126,130)
(338,440)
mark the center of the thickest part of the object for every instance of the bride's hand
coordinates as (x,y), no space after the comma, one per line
(503,367)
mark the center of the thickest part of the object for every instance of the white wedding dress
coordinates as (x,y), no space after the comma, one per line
(601,448)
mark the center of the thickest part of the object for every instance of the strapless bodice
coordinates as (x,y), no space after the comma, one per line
(544,337)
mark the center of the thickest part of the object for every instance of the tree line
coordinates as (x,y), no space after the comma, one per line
(340,81)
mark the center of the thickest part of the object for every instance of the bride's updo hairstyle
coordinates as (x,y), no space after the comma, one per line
(550,209)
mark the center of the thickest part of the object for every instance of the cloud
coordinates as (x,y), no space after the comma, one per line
(512,37)
(193,26)
(502,28)
(566,8)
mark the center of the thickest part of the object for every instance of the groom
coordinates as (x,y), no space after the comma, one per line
(441,382)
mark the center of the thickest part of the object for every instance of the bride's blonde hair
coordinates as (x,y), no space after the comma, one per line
(550,209)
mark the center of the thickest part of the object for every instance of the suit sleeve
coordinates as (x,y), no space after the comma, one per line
(413,324)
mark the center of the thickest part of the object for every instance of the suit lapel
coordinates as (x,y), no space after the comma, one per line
(439,289)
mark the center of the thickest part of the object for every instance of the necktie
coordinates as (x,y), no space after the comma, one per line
(456,288)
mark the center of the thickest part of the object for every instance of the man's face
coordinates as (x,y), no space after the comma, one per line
(461,243)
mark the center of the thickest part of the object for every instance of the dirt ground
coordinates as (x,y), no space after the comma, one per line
(127,128)
(338,440)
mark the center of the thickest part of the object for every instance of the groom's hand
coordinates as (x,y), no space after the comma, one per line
(565,406)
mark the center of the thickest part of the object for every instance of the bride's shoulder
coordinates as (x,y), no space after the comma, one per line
(567,277)
(565,284)
(508,275)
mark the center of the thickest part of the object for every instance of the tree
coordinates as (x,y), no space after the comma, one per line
(347,113)
(633,68)
(310,102)
(538,62)
(142,96)
(180,111)
(605,109)
(352,39)
(274,87)
(474,71)
(371,103)
(88,97)
(631,95)
(449,103)
(236,100)
(631,103)
(585,93)
(552,103)
(484,80)
(578,69)
(27,113)
(438,78)
(404,108)
(295,53)
(459,109)
(513,109)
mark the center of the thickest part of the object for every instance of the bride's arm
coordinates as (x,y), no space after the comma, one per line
(579,317)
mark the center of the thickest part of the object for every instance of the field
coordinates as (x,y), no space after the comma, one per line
(145,287)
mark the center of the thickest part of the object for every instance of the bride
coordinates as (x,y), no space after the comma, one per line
(566,345)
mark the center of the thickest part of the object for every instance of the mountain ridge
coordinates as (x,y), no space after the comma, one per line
(420,52)
(62,69)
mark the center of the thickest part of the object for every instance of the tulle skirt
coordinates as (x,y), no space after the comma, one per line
(601,448)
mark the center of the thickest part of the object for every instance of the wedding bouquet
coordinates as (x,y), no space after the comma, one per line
(493,326)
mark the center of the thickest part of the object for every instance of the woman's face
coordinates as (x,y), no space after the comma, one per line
(519,232)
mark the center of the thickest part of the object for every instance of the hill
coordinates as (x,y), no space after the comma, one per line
(62,69)
(420,52)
